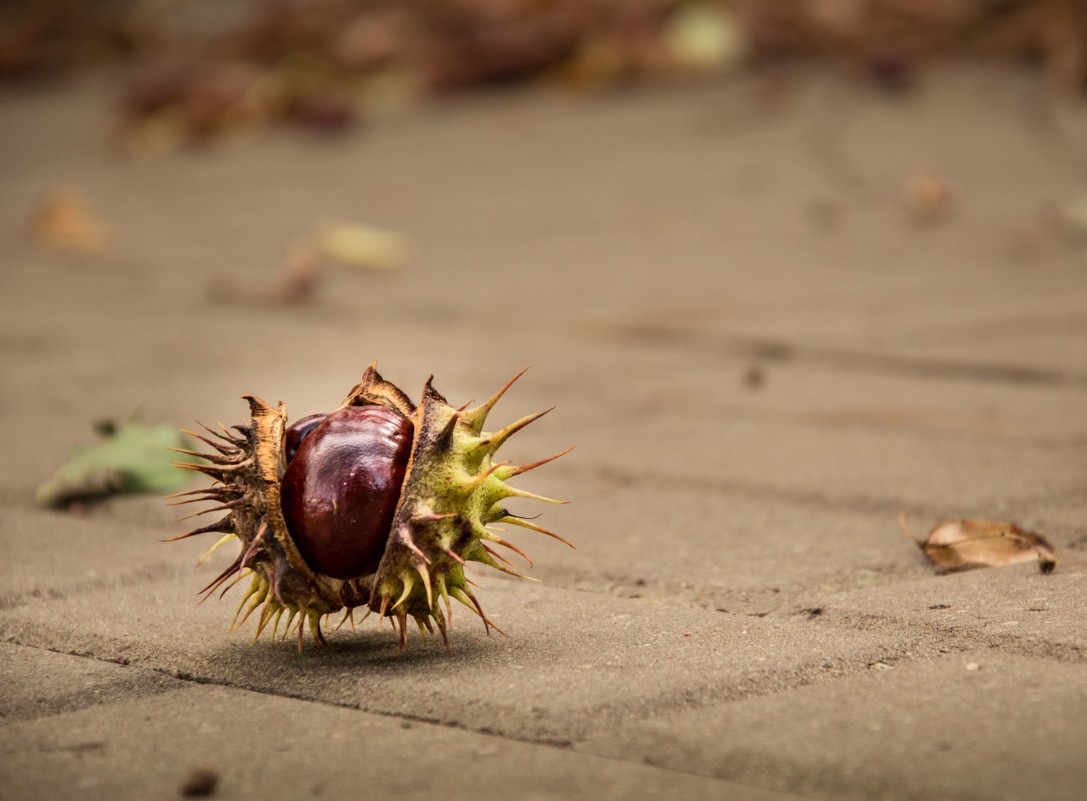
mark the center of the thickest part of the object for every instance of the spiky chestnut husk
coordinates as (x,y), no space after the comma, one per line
(452,492)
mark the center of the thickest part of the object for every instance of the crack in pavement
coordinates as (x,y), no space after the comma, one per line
(781,351)
(927,640)
(971,637)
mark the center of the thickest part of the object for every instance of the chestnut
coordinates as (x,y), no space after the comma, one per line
(298,431)
(342,485)
(379,504)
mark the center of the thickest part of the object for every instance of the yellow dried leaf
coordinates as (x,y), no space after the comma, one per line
(703,38)
(964,544)
(64,220)
(1072,216)
(359,246)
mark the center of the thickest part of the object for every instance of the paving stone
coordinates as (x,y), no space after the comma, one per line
(261,746)
(805,393)
(745,550)
(1014,608)
(37,682)
(575,665)
(935,368)
(889,466)
(573,661)
(953,446)
(749,548)
(975,725)
(1014,327)
(49,554)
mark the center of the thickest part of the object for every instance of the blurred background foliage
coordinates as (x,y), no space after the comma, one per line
(195,71)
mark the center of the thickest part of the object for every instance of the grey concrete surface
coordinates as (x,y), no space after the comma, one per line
(51,684)
(761,359)
(266,746)
(950,728)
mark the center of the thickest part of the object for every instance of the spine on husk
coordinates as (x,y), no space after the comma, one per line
(453,490)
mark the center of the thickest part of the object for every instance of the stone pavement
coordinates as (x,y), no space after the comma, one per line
(761,359)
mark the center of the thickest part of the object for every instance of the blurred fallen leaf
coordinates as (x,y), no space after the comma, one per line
(358,245)
(842,18)
(387,93)
(137,458)
(199,103)
(64,220)
(964,544)
(349,244)
(484,42)
(599,61)
(299,277)
(927,196)
(704,38)
(1061,31)
(1072,218)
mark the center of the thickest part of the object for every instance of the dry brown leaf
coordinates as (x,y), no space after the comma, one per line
(963,544)
(1061,31)
(64,220)
(296,284)
(298,279)
(927,196)
(599,61)
(305,264)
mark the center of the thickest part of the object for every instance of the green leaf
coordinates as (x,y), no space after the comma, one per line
(137,458)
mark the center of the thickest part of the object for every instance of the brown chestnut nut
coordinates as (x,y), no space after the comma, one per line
(298,431)
(341,488)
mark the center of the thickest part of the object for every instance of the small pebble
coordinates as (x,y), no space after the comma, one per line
(200,783)
(754,377)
